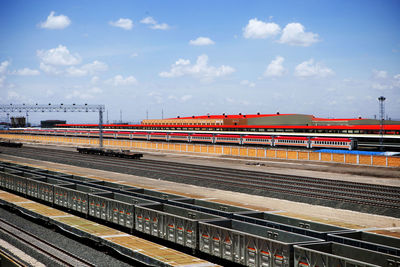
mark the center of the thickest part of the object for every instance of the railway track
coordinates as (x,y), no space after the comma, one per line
(367,195)
(52,252)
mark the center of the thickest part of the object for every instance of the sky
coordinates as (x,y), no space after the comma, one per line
(148,59)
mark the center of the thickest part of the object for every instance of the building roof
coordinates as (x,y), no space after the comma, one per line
(227,116)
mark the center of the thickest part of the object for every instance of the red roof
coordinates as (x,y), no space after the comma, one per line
(179,134)
(242,116)
(331,139)
(228,135)
(204,135)
(290,138)
(324,119)
(257,136)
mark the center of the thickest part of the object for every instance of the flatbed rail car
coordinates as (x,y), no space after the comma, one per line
(10,144)
(110,152)
(259,140)
(198,225)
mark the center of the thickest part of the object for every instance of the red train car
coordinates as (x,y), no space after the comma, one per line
(257,140)
(208,138)
(291,141)
(227,138)
(320,142)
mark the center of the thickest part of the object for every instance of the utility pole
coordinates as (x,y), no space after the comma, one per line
(382,118)
(162,114)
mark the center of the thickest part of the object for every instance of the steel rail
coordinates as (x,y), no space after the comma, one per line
(376,190)
(51,251)
(335,183)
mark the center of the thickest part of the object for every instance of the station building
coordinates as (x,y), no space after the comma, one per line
(264,119)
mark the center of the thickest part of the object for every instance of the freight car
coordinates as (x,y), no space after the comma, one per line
(109,152)
(259,140)
(197,224)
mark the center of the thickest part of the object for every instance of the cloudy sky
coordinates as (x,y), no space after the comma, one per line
(327,58)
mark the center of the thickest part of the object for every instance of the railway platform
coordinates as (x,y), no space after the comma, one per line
(131,246)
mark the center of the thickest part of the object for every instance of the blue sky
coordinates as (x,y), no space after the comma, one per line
(327,58)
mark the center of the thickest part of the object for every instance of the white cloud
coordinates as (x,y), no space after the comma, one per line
(275,68)
(231,100)
(3,68)
(12,95)
(84,94)
(55,22)
(162,26)
(125,24)
(186,97)
(153,24)
(58,56)
(2,80)
(380,86)
(119,80)
(202,41)
(248,83)
(183,98)
(257,29)
(201,69)
(294,34)
(148,20)
(134,54)
(49,69)
(94,79)
(49,92)
(26,72)
(157,96)
(309,69)
(382,81)
(18,97)
(380,74)
(87,69)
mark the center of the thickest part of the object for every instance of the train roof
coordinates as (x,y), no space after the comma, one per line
(330,139)
(227,135)
(291,138)
(257,136)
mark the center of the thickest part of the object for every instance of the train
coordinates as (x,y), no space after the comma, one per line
(229,233)
(210,138)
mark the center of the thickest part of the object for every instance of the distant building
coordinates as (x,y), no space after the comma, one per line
(51,123)
(17,122)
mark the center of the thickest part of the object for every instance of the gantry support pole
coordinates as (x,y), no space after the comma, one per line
(101,128)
